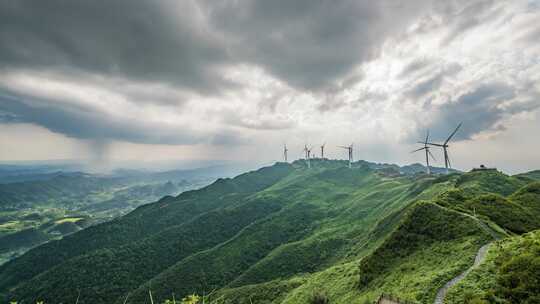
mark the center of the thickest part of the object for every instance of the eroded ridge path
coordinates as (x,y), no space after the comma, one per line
(480,256)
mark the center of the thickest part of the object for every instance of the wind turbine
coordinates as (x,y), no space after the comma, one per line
(308,155)
(322,150)
(445,148)
(428,153)
(285,150)
(350,151)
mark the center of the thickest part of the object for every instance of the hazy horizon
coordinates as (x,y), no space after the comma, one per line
(185,164)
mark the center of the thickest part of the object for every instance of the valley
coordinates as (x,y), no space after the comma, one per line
(37,207)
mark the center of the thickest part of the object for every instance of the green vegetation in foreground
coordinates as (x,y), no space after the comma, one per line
(287,234)
(432,245)
(510,274)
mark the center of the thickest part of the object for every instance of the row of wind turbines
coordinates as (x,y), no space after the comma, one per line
(307,151)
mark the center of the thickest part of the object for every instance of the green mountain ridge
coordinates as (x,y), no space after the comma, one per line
(283,232)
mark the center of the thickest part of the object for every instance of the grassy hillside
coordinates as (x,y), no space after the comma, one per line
(61,187)
(31,207)
(510,274)
(528,176)
(282,234)
(103,244)
(441,239)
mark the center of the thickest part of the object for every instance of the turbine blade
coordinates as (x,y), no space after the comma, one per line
(430,154)
(434,144)
(453,133)
(418,150)
(427,136)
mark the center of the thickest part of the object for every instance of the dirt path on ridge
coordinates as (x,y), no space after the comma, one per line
(480,256)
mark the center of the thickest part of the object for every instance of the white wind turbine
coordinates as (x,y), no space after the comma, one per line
(428,153)
(445,146)
(350,152)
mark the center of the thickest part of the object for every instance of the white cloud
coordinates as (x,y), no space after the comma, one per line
(258,75)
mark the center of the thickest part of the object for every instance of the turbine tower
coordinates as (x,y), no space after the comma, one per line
(322,150)
(285,150)
(307,151)
(350,151)
(445,146)
(428,153)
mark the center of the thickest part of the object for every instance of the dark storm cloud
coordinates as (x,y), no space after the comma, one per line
(426,86)
(150,40)
(229,138)
(310,44)
(7,117)
(313,46)
(185,44)
(479,110)
(87,123)
(433,81)
(306,43)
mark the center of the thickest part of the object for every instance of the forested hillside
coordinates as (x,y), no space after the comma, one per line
(284,233)
(52,205)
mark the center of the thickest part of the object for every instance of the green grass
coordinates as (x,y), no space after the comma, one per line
(282,234)
(11,226)
(431,245)
(480,182)
(68,220)
(510,274)
(271,292)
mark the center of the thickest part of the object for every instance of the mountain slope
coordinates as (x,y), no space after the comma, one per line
(60,187)
(282,233)
(511,274)
(135,228)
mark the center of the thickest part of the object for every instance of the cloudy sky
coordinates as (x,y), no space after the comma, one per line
(236,79)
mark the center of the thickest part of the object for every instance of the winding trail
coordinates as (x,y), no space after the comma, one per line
(441,294)
(480,256)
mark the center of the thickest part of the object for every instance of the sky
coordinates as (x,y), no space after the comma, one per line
(237,79)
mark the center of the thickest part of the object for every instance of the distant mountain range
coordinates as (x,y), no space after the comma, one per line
(288,234)
(33,200)
(11,173)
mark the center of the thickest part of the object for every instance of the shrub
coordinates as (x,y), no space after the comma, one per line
(520,279)
(319,298)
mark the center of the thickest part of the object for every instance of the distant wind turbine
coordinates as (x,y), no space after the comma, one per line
(428,153)
(445,148)
(350,151)
(322,150)
(285,150)
(307,152)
